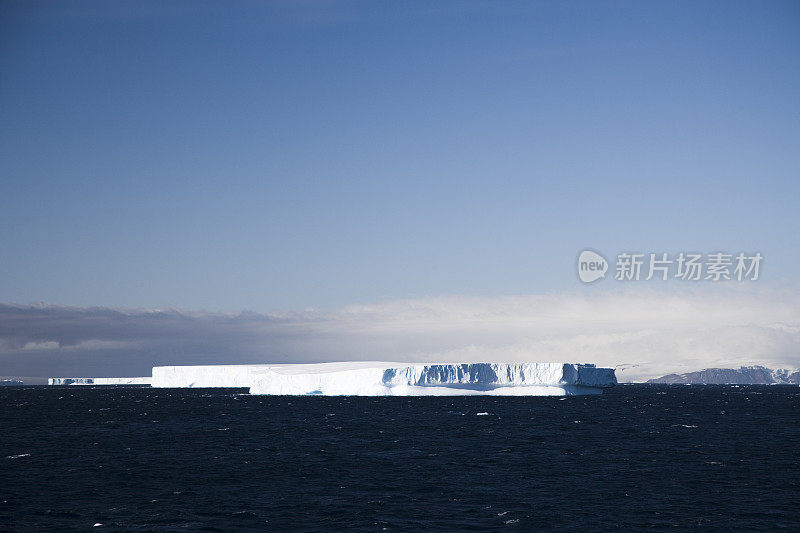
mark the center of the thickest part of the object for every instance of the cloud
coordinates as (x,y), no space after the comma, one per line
(642,331)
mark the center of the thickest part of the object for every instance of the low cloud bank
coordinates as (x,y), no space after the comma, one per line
(643,332)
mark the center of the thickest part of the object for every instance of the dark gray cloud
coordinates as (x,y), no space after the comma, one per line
(45,339)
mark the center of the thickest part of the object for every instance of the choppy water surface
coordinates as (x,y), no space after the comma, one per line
(638,457)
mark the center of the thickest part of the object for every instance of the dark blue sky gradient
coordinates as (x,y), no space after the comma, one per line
(229,155)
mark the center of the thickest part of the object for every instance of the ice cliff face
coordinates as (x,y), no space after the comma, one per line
(500,374)
(534,379)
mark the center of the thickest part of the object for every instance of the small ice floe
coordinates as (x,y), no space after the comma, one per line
(512,521)
(687,426)
(481,414)
(97,524)
(18,456)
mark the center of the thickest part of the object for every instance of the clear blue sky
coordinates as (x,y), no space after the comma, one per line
(229,155)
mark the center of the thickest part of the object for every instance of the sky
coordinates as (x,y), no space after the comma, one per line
(231,160)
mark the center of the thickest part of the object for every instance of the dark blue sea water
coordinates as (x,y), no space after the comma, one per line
(638,457)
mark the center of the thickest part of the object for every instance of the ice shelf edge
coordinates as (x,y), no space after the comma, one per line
(359,378)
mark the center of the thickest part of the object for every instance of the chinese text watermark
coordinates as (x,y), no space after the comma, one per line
(684,266)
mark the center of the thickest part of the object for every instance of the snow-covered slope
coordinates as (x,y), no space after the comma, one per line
(746,375)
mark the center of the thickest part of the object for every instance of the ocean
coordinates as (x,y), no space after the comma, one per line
(639,457)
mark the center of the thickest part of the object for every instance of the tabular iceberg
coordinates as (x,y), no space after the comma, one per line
(369,378)
(448,379)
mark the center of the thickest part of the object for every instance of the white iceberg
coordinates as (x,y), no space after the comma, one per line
(448,379)
(370,378)
(206,376)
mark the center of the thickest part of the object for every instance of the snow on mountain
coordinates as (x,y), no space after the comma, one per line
(746,375)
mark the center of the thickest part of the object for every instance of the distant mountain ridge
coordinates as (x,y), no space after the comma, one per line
(746,375)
